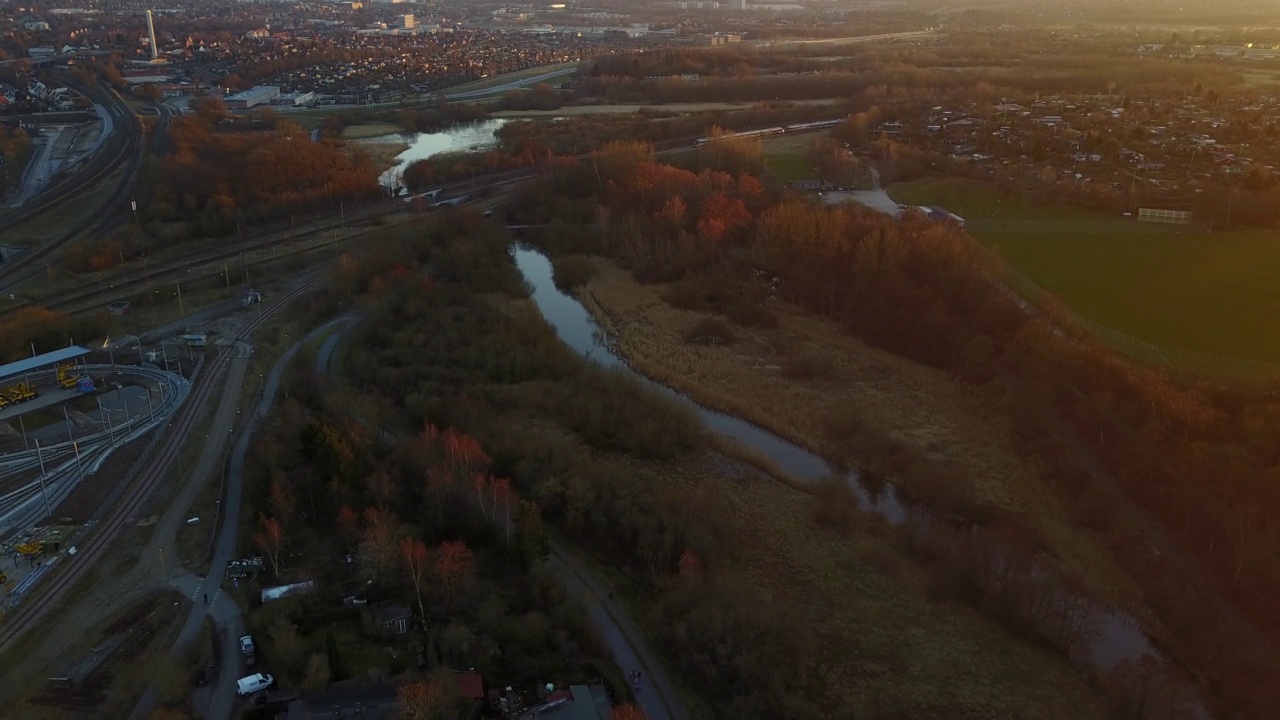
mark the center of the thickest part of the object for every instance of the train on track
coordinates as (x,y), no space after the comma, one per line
(769,131)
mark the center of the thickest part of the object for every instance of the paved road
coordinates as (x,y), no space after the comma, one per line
(627,644)
(219,699)
(625,641)
(164,540)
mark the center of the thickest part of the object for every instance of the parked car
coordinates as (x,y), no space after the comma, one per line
(256,682)
(248,649)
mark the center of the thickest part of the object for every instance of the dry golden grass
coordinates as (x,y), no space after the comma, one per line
(369,130)
(922,408)
(383,153)
(792,144)
(879,639)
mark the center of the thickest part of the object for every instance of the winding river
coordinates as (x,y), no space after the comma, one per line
(459,138)
(1118,636)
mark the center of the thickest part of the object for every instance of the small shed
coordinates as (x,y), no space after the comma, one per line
(391,618)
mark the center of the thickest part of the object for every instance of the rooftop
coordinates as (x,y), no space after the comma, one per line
(39,361)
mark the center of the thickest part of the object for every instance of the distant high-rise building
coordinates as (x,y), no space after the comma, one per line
(738,4)
(406,22)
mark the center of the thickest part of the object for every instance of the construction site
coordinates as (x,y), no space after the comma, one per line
(60,419)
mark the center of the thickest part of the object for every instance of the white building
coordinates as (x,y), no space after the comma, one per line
(249,98)
(295,99)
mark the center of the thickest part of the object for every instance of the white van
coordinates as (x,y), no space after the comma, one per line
(253,683)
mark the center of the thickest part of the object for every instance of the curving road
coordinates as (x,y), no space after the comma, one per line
(219,699)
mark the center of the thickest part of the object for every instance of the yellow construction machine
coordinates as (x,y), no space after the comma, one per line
(67,375)
(21,392)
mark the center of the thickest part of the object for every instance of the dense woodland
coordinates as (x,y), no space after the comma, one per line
(220,172)
(1198,456)
(429,523)
(586,448)
(32,330)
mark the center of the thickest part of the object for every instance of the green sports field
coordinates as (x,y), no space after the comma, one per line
(1215,293)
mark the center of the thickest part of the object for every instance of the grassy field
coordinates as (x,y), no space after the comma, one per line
(789,167)
(882,639)
(1212,293)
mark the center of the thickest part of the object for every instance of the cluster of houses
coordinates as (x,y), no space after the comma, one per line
(392,623)
(1176,145)
(1249,51)
(35,96)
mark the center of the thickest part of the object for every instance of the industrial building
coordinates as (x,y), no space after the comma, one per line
(252,97)
(295,99)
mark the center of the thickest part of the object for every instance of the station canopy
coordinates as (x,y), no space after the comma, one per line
(35,363)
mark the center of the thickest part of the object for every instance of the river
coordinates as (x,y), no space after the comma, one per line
(1118,636)
(459,138)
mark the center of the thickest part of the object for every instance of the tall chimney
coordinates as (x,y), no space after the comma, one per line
(151,31)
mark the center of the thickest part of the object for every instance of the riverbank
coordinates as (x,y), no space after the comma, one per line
(809,382)
(881,640)
(367,130)
(383,153)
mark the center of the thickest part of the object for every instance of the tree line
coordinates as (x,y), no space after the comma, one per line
(1197,455)
(220,172)
(591,447)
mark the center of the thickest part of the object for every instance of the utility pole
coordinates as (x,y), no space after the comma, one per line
(110,429)
(43,490)
(181,310)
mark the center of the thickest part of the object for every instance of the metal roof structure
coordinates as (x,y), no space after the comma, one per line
(39,361)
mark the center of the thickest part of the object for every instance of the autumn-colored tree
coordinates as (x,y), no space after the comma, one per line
(416,559)
(465,455)
(378,541)
(317,677)
(349,524)
(455,565)
(424,700)
(721,215)
(627,711)
(270,537)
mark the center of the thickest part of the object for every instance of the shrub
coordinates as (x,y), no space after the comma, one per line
(746,314)
(809,367)
(710,331)
(573,271)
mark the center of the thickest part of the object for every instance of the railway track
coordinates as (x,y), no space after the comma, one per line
(125,151)
(76,566)
(362,219)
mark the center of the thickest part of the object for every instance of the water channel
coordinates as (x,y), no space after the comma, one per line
(459,138)
(1118,636)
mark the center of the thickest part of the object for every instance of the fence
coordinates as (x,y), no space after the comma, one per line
(1141,350)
